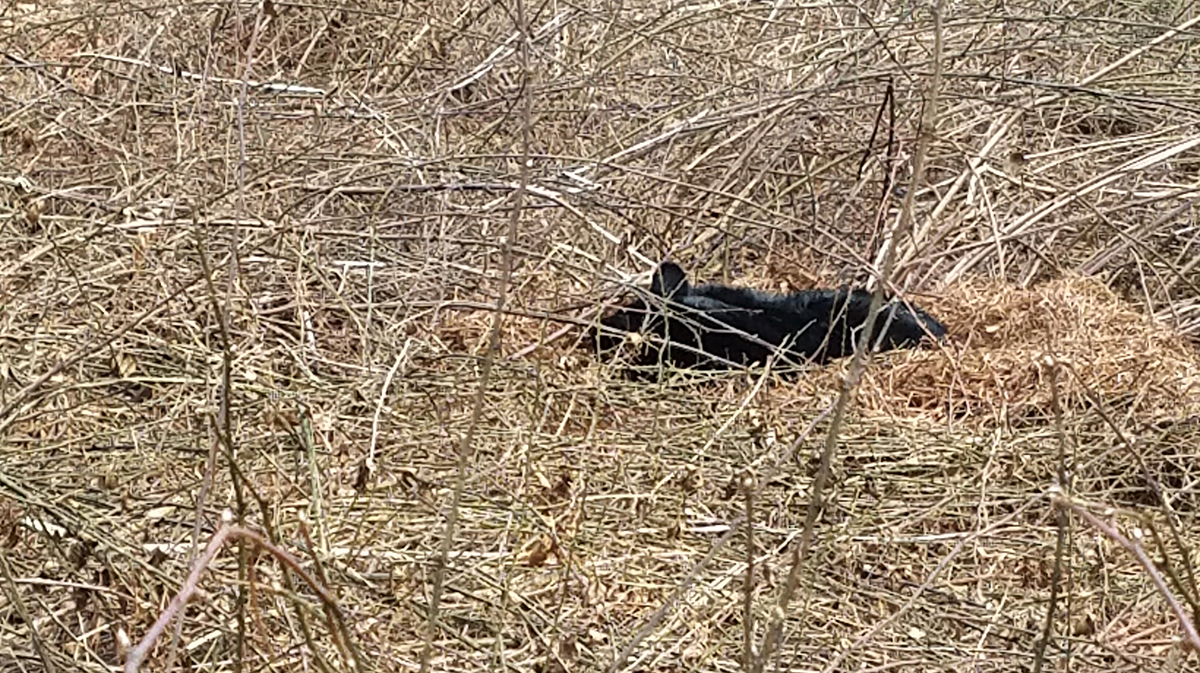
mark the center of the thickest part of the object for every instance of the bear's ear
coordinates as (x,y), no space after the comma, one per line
(669,281)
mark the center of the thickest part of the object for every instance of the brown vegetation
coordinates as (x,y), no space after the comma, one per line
(312,203)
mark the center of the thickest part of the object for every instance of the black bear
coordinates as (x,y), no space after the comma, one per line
(720,327)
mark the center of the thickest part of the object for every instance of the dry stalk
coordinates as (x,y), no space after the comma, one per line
(1134,547)
(684,585)
(364,174)
(24,396)
(1190,592)
(748,487)
(224,434)
(14,597)
(932,577)
(223,312)
(1002,129)
(337,621)
(1062,521)
(774,635)
(466,445)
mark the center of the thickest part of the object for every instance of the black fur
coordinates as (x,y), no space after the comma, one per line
(719,327)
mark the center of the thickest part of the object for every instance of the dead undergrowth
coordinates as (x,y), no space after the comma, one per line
(321,193)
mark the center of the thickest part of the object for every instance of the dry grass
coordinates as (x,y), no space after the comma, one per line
(367,206)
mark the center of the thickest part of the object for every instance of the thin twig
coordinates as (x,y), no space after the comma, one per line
(858,364)
(465,446)
(1134,547)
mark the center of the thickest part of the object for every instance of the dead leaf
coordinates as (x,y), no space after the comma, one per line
(535,555)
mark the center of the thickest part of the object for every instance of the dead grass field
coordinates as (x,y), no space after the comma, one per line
(251,258)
